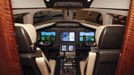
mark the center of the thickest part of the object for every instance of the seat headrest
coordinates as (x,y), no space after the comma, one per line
(30,29)
(25,37)
(109,36)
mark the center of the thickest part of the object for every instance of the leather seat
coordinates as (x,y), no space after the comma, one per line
(33,60)
(103,59)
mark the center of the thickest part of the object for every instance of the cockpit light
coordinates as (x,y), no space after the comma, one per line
(47,0)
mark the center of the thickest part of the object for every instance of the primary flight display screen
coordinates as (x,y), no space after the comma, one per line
(87,36)
(47,36)
(67,36)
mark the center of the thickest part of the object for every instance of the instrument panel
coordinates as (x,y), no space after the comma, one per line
(67,36)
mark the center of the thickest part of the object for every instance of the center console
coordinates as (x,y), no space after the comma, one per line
(67,59)
(67,66)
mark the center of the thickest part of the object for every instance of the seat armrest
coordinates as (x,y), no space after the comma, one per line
(109,56)
(82,67)
(42,66)
(29,55)
(52,66)
(91,63)
(28,59)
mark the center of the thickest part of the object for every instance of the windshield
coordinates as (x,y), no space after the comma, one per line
(91,17)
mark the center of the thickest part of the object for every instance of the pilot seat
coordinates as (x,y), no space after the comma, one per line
(103,58)
(33,60)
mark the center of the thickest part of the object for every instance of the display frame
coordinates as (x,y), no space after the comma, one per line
(62,46)
(48,31)
(68,38)
(71,45)
(86,32)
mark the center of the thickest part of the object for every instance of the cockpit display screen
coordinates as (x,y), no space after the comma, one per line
(67,36)
(71,47)
(47,36)
(87,36)
(64,48)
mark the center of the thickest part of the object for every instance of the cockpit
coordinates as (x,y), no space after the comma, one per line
(67,37)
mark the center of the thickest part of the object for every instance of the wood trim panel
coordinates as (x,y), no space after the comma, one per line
(126,63)
(9,59)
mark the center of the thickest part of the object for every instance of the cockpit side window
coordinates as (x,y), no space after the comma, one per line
(18,18)
(119,19)
(90,16)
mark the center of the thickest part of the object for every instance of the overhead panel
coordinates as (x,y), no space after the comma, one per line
(68,3)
